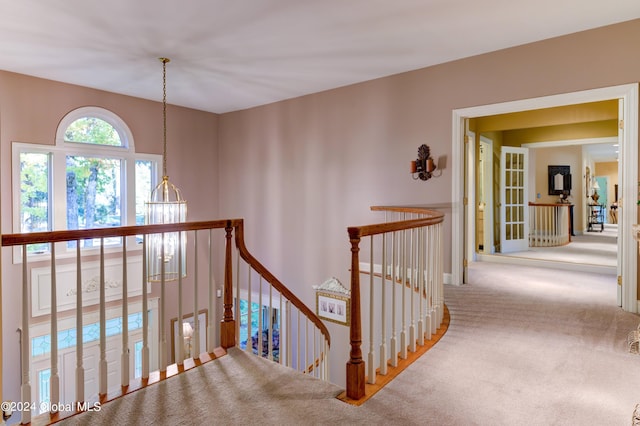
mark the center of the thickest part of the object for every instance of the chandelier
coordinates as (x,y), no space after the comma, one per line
(166,252)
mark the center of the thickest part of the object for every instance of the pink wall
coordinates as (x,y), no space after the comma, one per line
(30,109)
(302,170)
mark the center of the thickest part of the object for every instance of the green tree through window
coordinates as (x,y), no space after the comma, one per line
(92,130)
(34,195)
(93,196)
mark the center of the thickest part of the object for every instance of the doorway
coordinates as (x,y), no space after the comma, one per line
(628,117)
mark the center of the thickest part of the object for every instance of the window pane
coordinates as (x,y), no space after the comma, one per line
(143,187)
(137,359)
(34,196)
(92,130)
(43,386)
(93,194)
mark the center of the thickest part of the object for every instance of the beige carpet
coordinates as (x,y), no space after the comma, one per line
(525,346)
(237,389)
(589,248)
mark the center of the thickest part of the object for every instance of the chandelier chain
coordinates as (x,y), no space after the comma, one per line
(164,115)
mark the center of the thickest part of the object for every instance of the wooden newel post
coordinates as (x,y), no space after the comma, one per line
(355,365)
(228,324)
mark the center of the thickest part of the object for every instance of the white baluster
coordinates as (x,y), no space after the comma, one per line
(25,386)
(326,360)
(124,357)
(298,342)
(195,338)
(429,302)
(260,326)
(549,222)
(270,331)
(54,381)
(288,338)
(163,340)
(393,344)
(316,356)
(403,332)
(180,353)
(306,344)
(102,366)
(412,282)
(145,312)
(420,262)
(249,346)
(440,269)
(281,353)
(79,339)
(212,300)
(371,366)
(383,302)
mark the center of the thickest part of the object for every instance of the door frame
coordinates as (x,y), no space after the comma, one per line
(628,93)
(487,164)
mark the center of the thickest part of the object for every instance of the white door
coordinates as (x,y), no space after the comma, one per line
(514,209)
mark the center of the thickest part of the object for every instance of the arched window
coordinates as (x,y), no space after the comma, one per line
(92,176)
(92,130)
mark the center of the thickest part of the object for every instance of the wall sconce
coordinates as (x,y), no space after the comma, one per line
(423,167)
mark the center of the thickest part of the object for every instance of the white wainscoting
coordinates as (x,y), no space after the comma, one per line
(66,284)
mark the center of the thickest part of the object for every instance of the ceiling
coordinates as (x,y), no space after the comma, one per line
(231,55)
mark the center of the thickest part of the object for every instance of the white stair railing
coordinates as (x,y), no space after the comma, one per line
(405,266)
(303,346)
(549,225)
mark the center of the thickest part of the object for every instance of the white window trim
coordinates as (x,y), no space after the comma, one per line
(103,114)
(58,153)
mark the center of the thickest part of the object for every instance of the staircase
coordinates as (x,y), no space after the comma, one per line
(250,313)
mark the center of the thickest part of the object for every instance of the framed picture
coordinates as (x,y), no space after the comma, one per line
(587,182)
(188,340)
(333,307)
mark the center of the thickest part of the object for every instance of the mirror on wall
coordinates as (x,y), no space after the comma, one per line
(559,180)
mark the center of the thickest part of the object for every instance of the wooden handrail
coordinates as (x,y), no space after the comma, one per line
(417,209)
(270,278)
(121,231)
(382,228)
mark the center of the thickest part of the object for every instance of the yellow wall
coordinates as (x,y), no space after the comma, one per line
(561,156)
(594,129)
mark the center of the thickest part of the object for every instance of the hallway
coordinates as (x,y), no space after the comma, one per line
(594,251)
(526,345)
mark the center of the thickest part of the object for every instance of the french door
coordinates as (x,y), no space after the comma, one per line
(514,210)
